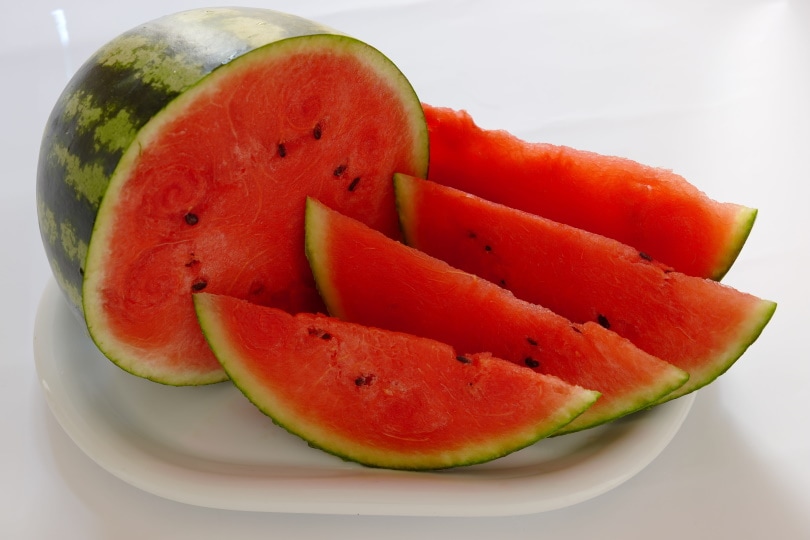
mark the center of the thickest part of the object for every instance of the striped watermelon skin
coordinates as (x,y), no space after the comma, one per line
(112,96)
(114,145)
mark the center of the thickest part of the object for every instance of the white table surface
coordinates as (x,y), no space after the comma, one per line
(718,91)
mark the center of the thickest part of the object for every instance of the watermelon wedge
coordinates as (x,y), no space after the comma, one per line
(381,398)
(178,160)
(368,278)
(697,324)
(654,210)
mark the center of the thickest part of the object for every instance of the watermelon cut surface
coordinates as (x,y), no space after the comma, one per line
(368,278)
(179,157)
(652,209)
(697,324)
(381,398)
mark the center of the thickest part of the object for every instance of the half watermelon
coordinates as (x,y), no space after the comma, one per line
(381,398)
(652,209)
(178,160)
(697,324)
(368,278)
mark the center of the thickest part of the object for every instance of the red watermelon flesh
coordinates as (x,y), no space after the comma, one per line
(368,278)
(214,197)
(381,398)
(697,324)
(652,209)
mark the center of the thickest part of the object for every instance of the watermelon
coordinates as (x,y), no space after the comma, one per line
(178,159)
(697,324)
(368,278)
(652,209)
(381,398)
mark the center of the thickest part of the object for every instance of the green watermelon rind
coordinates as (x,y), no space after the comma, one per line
(676,379)
(742,230)
(278,413)
(314,220)
(759,319)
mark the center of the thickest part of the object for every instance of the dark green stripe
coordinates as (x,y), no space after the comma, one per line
(96,95)
(110,92)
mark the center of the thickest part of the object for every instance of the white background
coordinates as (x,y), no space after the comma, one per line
(718,91)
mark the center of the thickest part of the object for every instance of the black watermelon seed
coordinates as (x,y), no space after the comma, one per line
(340,169)
(644,256)
(191,219)
(602,320)
(317,332)
(317,132)
(463,359)
(282,150)
(531,362)
(532,342)
(363,380)
(576,329)
(256,289)
(199,285)
(487,248)
(354,183)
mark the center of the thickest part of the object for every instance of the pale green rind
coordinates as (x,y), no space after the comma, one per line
(316,231)
(674,379)
(186,378)
(743,226)
(404,189)
(759,318)
(320,437)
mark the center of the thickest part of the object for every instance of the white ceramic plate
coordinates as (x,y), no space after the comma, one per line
(208,446)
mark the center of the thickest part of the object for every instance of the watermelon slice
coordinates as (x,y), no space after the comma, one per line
(696,324)
(368,278)
(654,210)
(179,157)
(381,398)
